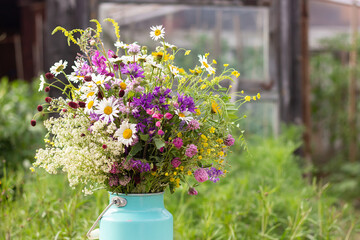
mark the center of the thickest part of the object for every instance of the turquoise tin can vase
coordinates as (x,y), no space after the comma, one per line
(140,217)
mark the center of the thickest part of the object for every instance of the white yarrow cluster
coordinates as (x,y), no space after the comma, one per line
(78,149)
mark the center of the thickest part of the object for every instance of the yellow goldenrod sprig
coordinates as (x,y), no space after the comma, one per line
(116,27)
(98,27)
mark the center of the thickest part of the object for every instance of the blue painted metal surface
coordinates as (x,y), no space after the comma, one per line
(143,218)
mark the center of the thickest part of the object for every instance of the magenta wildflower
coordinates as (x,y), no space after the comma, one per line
(192,191)
(162,149)
(113,181)
(229,141)
(64,110)
(161,132)
(168,116)
(157,116)
(191,150)
(104,146)
(178,142)
(201,175)
(158,124)
(115,168)
(176,162)
(193,125)
(150,111)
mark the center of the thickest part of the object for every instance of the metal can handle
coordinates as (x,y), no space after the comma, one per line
(118,201)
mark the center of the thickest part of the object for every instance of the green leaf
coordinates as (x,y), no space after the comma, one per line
(144,137)
(159,143)
(134,150)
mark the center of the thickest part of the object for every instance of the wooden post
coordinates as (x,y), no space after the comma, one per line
(352,86)
(306,86)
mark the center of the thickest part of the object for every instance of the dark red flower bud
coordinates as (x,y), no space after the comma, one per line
(82,135)
(100,95)
(48,99)
(33,122)
(73,105)
(121,93)
(64,110)
(47,89)
(82,104)
(104,146)
(49,75)
(87,78)
(39,108)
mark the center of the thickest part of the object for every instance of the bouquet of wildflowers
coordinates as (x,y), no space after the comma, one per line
(131,121)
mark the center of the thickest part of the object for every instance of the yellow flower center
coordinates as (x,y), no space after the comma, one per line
(127,133)
(181,115)
(123,86)
(157,32)
(90,104)
(90,94)
(108,110)
(59,68)
(205,64)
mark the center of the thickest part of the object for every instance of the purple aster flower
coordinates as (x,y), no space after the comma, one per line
(140,166)
(191,150)
(186,103)
(214,174)
(134,70)
(201,175)
(229,141)
(113,181)
(193,125)
(178,142)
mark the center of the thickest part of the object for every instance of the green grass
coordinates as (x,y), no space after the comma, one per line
(263,197)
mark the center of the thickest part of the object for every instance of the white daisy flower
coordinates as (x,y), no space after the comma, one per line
(168,45)
(184,116)
(174,70)
(120,45)
(206,65)
(42,83)
(91,103)
(88,90)
(58,67)
(75,78)
(157,32)
(126,133)
(108,109)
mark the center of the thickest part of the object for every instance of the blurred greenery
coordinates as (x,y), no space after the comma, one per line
(263,197)
(18,139)
(329,101)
